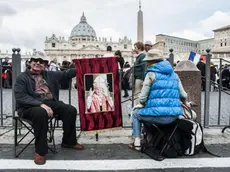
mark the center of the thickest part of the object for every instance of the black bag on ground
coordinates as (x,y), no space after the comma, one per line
(195,130)
(196,141)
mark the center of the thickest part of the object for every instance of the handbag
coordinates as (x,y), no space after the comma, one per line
(188,113)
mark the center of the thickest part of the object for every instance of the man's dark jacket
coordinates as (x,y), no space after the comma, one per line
(201,66)
(139,67)
(24,88)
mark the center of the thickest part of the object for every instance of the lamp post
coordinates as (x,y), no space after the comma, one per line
(207,88)
(171,57)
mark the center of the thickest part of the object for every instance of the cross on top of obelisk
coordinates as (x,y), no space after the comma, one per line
(140,5)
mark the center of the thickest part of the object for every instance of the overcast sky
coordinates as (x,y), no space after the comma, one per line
(26,23)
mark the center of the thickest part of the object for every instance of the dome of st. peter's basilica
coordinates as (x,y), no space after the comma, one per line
(83,29)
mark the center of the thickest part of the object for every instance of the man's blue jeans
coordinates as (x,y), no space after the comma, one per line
(136,118)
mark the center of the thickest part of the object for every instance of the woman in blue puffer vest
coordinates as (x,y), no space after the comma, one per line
(160,98)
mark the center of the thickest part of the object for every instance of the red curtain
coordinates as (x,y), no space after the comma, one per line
(98,120)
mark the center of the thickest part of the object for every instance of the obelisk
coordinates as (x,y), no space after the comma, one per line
(140,34)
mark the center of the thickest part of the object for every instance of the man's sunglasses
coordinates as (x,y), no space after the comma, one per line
(40,60)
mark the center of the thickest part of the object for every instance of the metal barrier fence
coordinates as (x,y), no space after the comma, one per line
(221,90)
(207,89)
(1,98)
(16,61)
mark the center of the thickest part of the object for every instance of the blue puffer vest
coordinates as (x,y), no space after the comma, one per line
(164,97)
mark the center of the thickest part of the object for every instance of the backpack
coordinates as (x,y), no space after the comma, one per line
(196,143)
(196,139)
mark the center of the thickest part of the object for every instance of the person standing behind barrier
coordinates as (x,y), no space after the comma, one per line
(46,65)
(139,69)
(213,73)
(148,46)
(127,71)
(120,59)
(64,83)
(8,78)
(54,65)
(109,52)
(5,64)
(201,66)
(121,62)
(36,94)
(225,77)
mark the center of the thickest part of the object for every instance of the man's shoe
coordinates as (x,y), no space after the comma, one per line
(125,96)
(75,147)
(39,160)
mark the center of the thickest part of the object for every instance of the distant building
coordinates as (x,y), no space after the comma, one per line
(203,45)
(179,45)
(84,43)
(221,47)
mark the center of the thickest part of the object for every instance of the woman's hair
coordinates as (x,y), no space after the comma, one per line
(127,64)
(65,63)
(109,48)
(140,46)
(118,53)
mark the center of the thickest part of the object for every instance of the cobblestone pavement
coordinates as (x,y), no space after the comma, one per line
(126,107)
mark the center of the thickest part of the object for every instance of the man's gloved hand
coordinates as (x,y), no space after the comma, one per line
(138,106)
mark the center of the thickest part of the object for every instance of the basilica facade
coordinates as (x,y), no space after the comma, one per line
(84,43)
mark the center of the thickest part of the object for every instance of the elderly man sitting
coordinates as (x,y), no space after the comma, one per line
(161,96)
(36,94)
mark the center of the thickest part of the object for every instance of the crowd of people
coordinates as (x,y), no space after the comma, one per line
(215,73)
(48,66)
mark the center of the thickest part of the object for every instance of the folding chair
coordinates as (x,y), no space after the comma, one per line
(28,125)
(158,134)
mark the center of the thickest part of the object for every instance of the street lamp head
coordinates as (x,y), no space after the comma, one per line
(208,50)
(18,50)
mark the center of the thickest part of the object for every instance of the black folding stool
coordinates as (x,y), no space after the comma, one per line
(156,139)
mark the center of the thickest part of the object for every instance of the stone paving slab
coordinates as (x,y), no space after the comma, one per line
(116,136)
(4,130)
